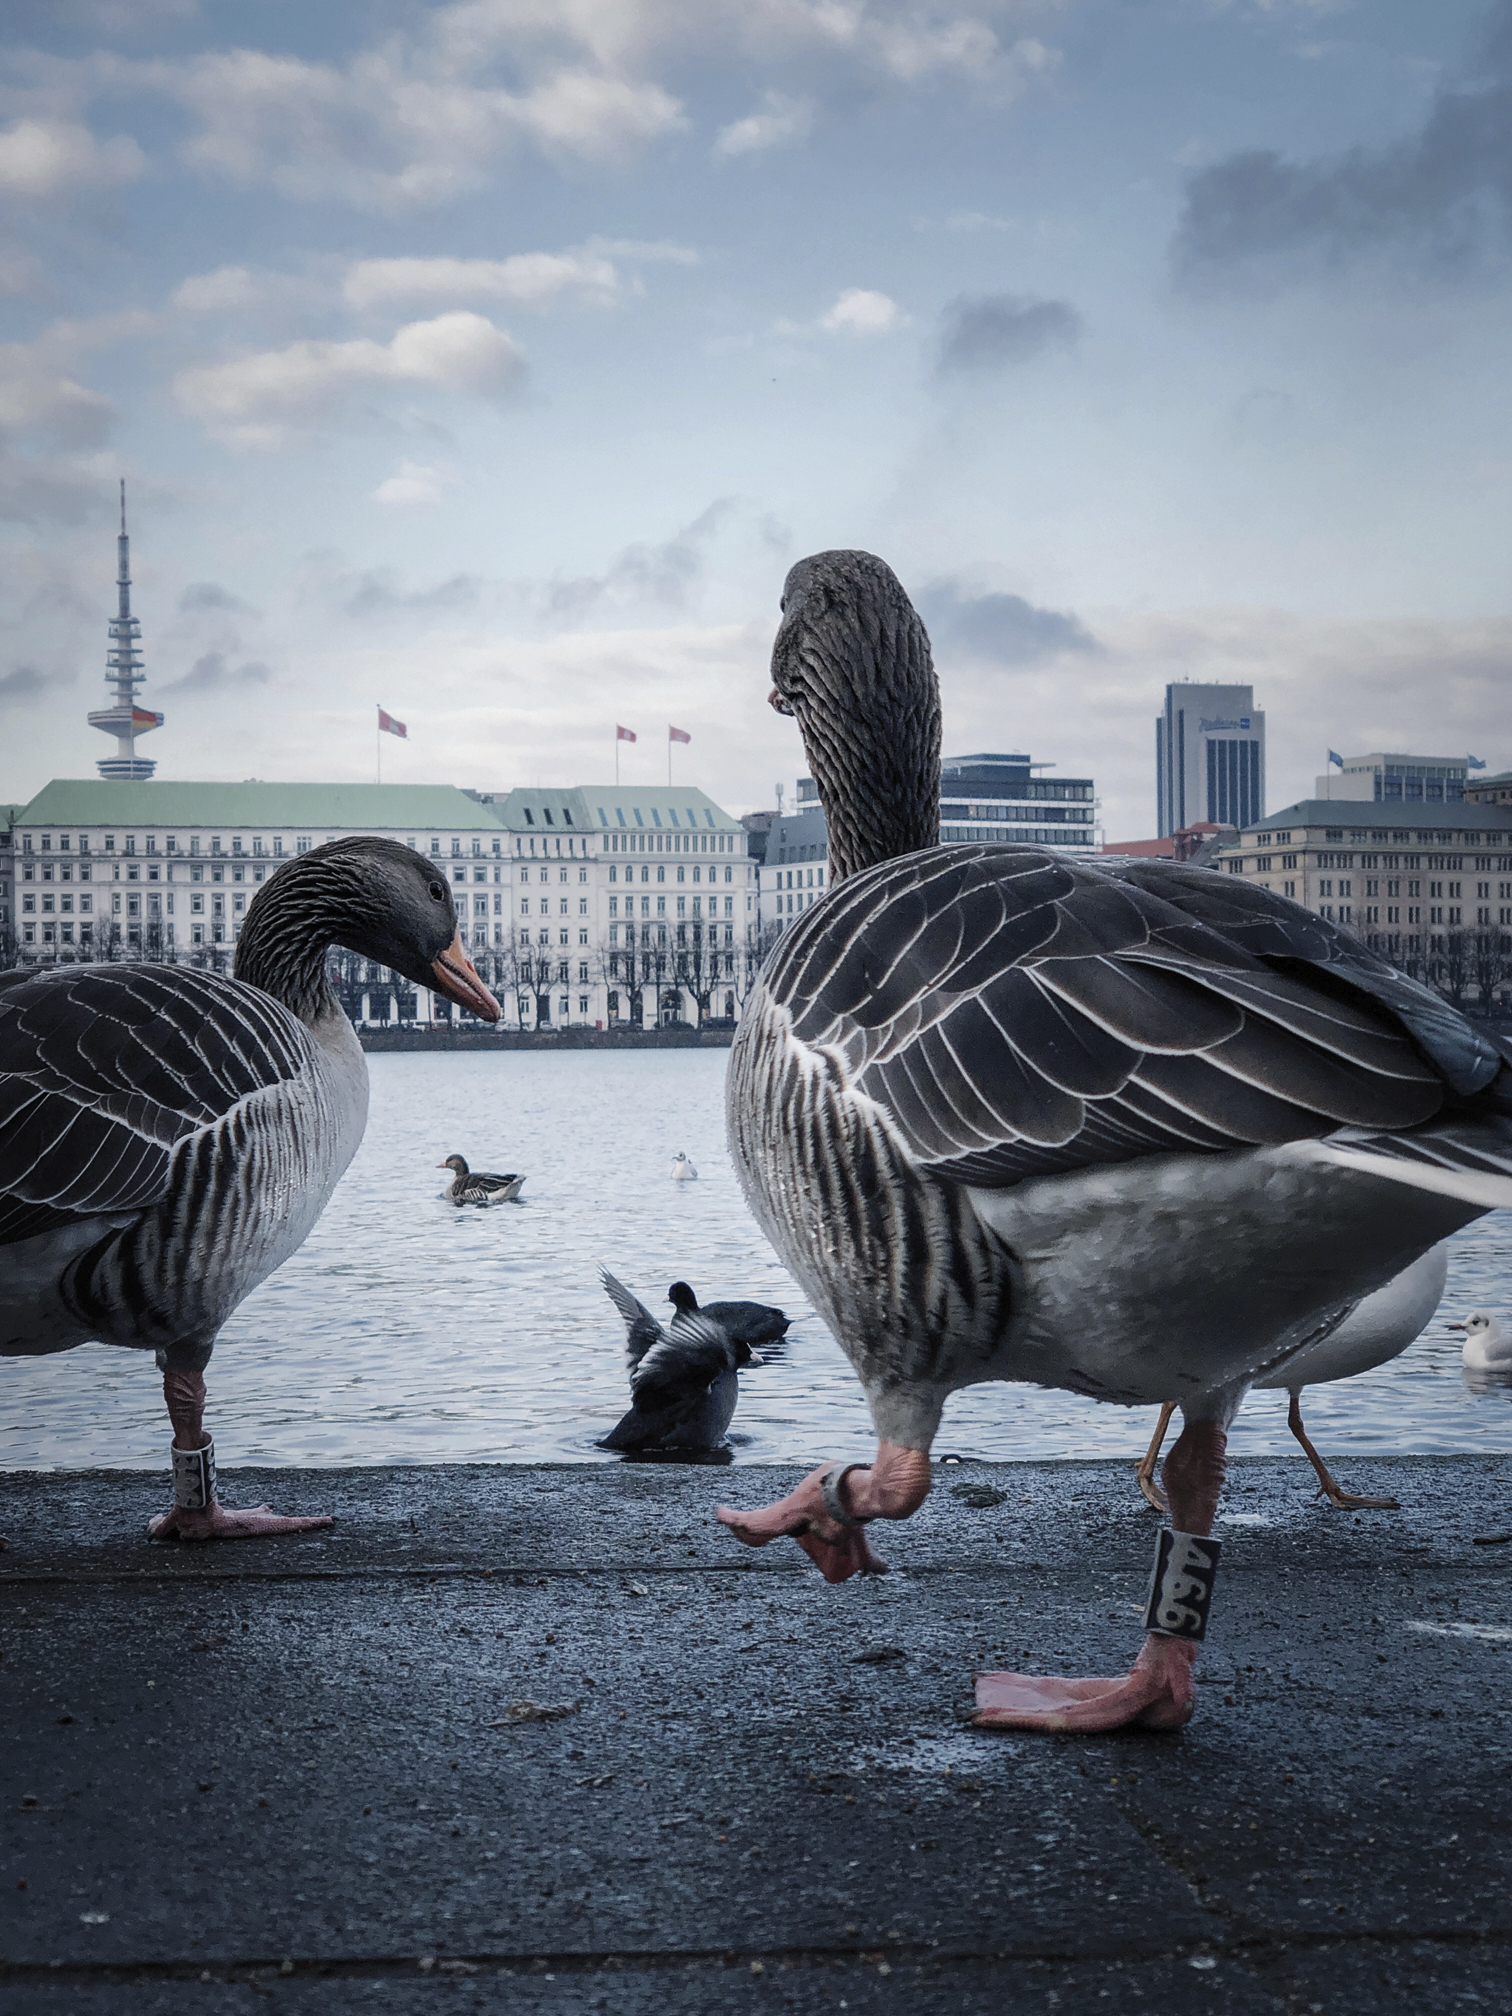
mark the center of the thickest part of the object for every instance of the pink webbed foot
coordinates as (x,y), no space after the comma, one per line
(1158,1692)
(837,1551)
(222,1522)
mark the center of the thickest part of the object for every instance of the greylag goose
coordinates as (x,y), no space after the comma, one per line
(682,1169)
(753,1324)
(1375,1331)
(684,1380)
(168,1137)
(1121,1127)
(477,1186)
(1488,1343)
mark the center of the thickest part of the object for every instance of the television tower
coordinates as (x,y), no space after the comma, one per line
(124,718)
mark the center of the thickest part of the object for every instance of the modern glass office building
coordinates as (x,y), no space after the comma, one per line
(1209,757)
(999,797)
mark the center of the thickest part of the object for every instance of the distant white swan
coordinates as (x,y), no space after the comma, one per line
(1488,1343)
(682,1169)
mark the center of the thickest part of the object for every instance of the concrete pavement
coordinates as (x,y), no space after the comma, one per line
(548,1740)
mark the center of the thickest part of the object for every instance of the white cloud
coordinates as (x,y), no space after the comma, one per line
(48,157)
(415,484)
(37,397)
(395,129)
(529,279)
(860,311)
(256,401)
(226,289)
(781,122)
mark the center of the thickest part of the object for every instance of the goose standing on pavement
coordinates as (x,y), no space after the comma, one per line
(684,1380)
(477,1186)
(1120,1127)
(682,1169)
(1488,1343)
(168,1137)
(1373,1333)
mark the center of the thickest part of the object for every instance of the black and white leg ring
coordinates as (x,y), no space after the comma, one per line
(194,1478)
(834,1504)
(1181,1587)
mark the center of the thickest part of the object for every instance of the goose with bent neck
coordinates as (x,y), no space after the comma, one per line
(1125,1128)
(175,1135)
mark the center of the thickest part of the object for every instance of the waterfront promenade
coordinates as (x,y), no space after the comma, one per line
(547,1740)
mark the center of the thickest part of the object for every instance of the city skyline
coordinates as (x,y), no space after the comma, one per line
(511,417)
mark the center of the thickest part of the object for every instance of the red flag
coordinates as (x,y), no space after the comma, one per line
(678,735)
(387,725)
(624,734)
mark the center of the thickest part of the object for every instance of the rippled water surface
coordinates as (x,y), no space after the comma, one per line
(408,1332)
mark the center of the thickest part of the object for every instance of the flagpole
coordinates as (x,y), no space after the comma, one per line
(378,747)
(669,759)
(616,759)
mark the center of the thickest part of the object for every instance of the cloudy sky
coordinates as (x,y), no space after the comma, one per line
(493,361)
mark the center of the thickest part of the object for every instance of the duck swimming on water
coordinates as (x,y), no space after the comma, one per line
(754,1324)
(1120,1127)
(684,1380)
(168,1137)
(476,1186)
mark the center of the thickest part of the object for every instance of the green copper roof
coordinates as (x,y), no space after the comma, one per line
(315,809)
(599,808)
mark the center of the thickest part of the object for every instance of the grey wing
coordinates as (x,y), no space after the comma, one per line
(642,1331)
(688,1358)
(1017,1014)
(107,1071)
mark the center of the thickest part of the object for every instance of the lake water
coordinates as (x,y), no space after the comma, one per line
(406,1331)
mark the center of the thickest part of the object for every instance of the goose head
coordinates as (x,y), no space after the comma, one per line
(455,1163)
(377,899)
(851,664)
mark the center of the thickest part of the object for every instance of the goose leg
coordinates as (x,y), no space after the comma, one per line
(1340,1499)
(184,1392)
(1158,1692)
(894,1487)
(1144,1476)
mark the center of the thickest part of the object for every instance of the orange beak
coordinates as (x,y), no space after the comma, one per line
(457,978)
(775,699)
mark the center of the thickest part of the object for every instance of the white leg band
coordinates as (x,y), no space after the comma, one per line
(193,1478)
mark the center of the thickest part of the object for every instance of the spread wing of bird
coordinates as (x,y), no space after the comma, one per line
(1018,1014)
(685,1360)
(642,1330)
(107,1071)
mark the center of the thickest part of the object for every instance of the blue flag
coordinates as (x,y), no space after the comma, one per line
(1476,762)
(1335,757)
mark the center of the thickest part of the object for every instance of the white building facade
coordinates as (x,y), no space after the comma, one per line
(1209,758)
(584,907)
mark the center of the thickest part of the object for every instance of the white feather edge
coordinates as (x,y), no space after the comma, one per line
(1469,1186)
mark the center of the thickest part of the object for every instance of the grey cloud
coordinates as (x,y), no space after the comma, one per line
(213,673)
(22,684)
(376,593)
(663,572)
(42,493)
(986,332)
(1004,629)
(202,596)
(1448,187)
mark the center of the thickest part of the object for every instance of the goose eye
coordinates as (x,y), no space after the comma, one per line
(438,891)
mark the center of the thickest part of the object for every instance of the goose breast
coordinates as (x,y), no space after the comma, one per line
(167,1139)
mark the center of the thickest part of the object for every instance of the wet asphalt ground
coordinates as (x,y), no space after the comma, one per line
(549,1741)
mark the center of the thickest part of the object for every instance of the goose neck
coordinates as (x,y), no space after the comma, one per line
(293,921)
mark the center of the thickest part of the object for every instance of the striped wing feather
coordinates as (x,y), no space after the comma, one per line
(1019,1014)
(106,1070)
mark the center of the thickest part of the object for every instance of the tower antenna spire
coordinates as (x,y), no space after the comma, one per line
(123,718)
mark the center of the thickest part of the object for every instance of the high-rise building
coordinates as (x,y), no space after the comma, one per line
(124,718)
(1209,757)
